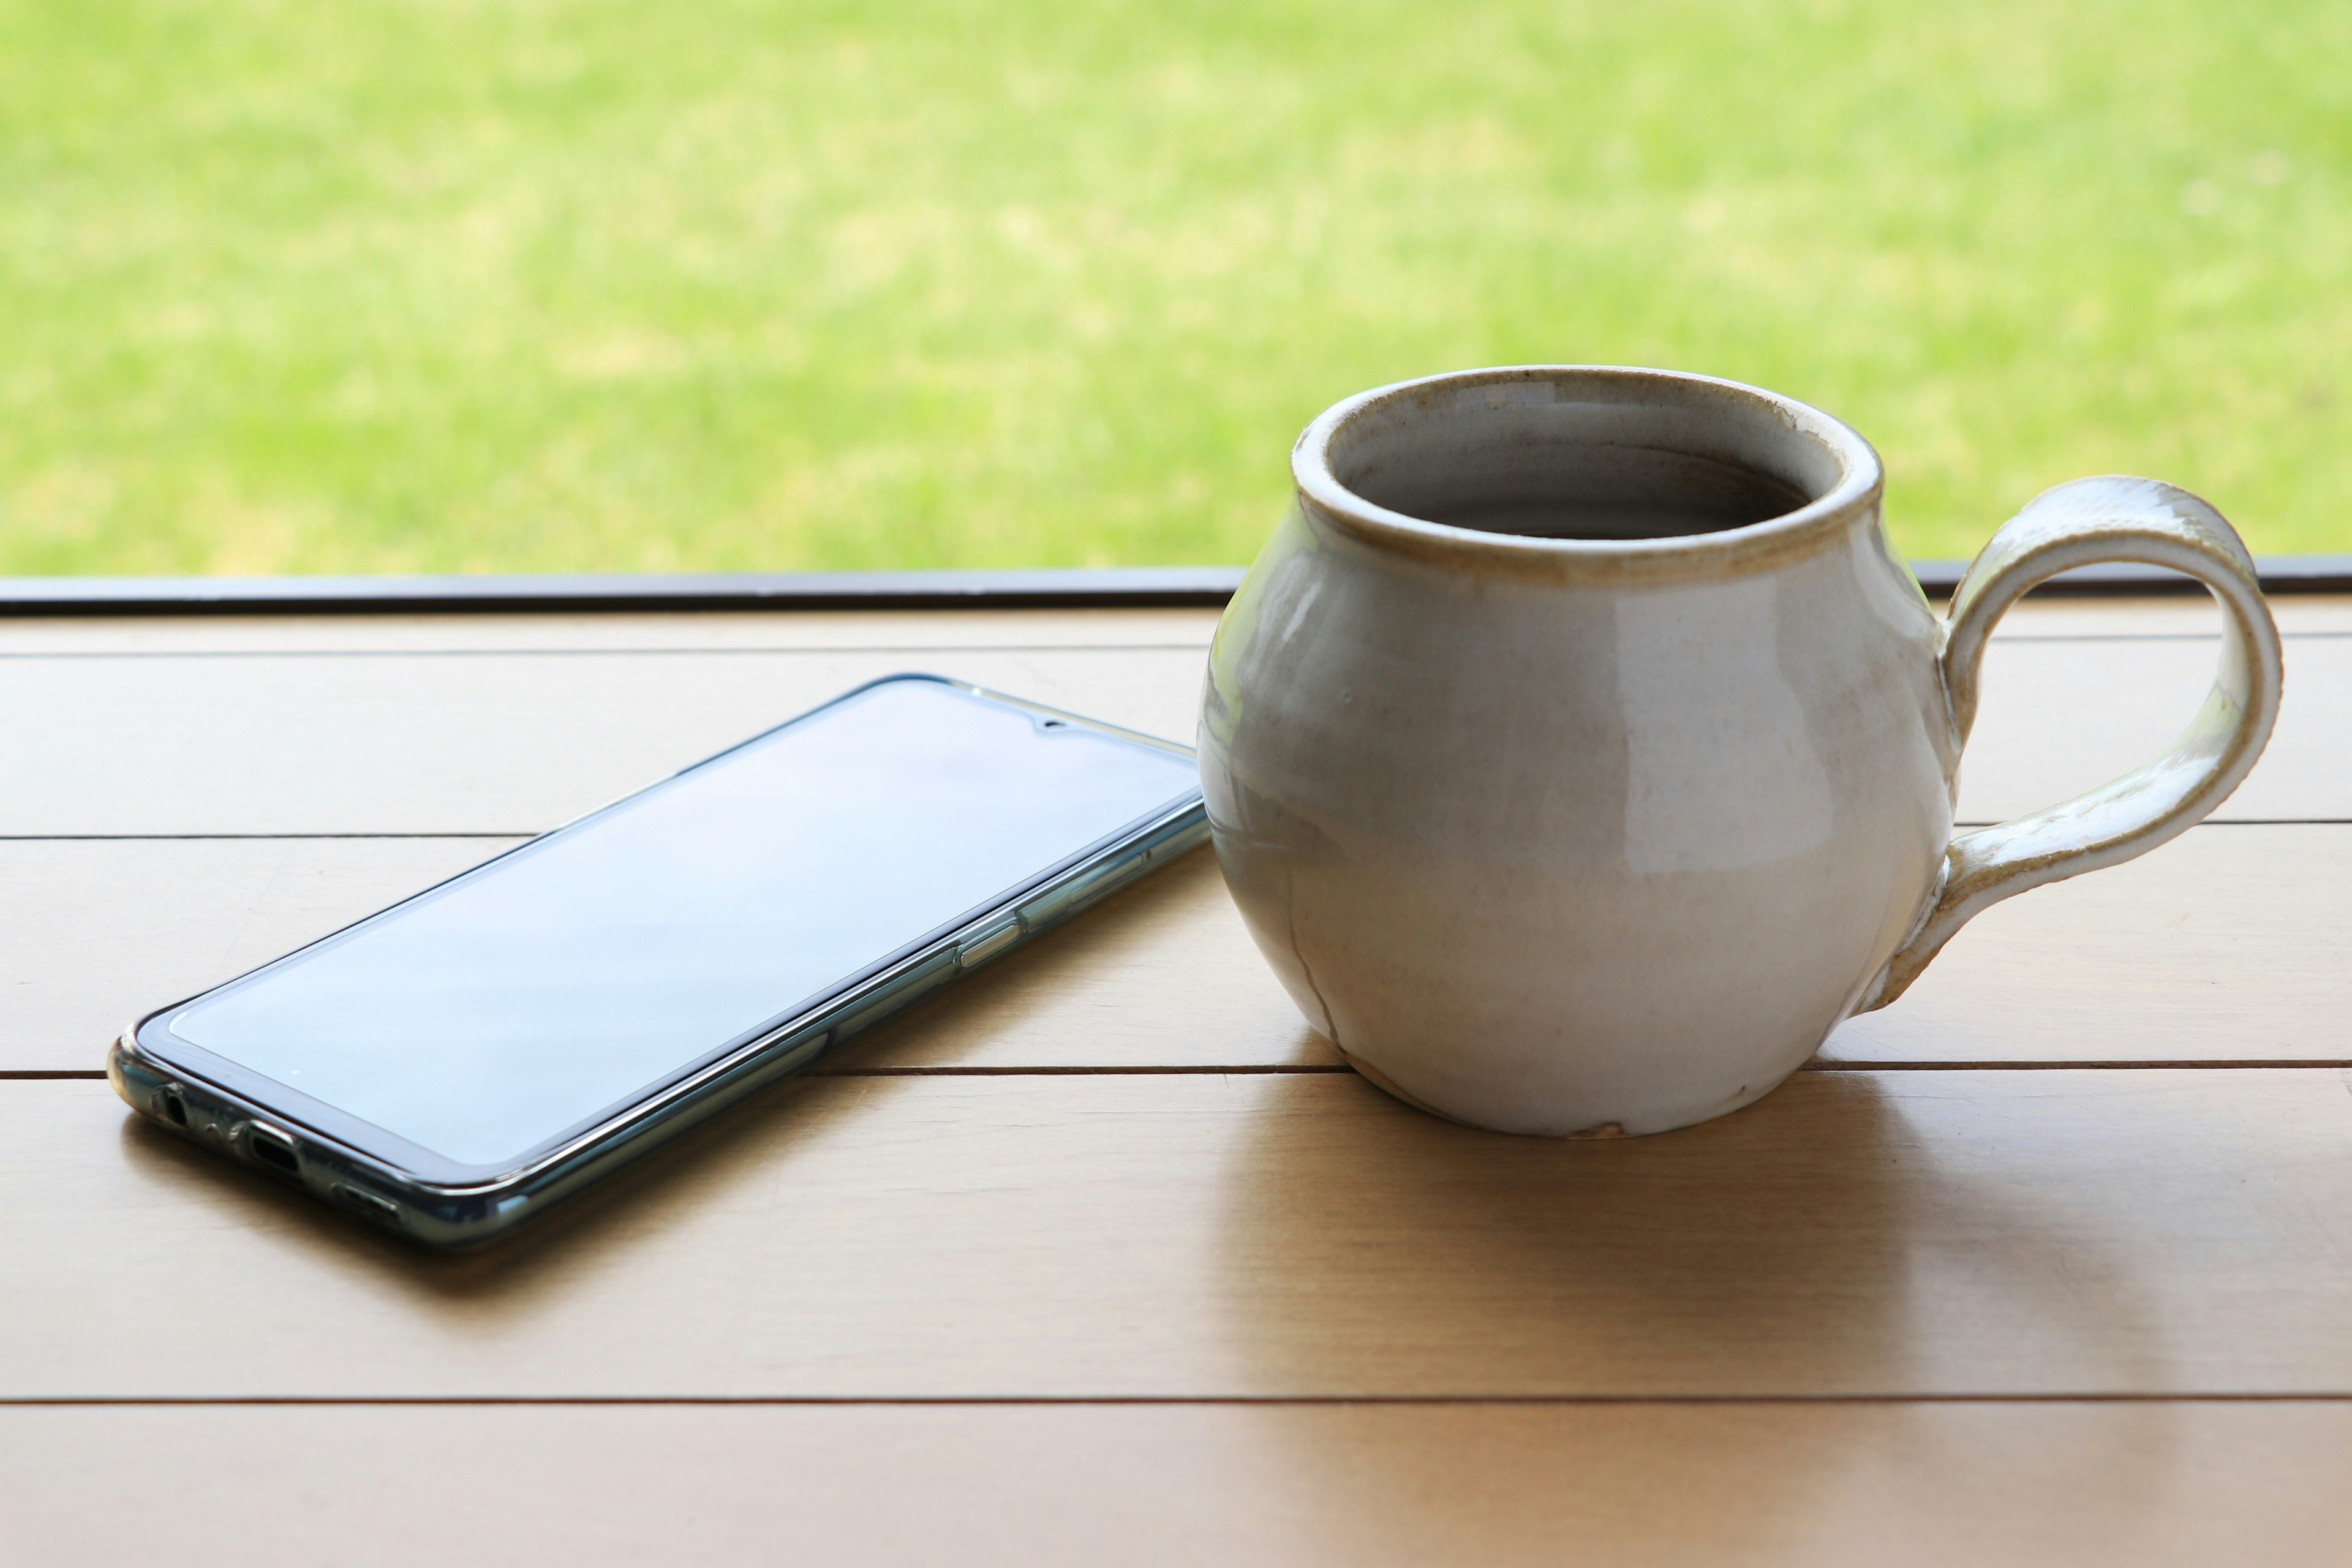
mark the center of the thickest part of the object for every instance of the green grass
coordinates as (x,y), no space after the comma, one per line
(578,284)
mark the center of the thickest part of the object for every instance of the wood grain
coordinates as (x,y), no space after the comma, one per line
(2133,1486)
(516,742)
(453,744)
(2153,1232)
(2234,943)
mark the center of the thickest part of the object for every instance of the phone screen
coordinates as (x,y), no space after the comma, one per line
(483,1019)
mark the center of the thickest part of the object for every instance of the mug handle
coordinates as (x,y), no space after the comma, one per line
(2110,519)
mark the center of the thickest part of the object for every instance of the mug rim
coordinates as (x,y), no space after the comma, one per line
(1790,536)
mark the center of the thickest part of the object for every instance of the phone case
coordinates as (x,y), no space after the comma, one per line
(460,1215)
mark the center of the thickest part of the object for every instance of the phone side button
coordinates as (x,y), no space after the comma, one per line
(367,1203)
(976,951)
(933,972)
(1072,897)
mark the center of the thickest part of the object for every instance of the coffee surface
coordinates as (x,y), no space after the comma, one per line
(1579,492)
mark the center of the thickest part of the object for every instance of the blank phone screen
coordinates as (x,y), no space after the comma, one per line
(487,1017)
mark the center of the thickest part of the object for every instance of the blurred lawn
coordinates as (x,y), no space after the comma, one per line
(375,285)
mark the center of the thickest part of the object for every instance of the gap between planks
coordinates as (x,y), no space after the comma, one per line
(763,650)
(1143,1401)
(242,837)
(1188,646)
(537,832)
(751,649)
(1308,1069)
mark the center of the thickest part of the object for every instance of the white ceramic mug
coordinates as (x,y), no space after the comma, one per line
(1580,754)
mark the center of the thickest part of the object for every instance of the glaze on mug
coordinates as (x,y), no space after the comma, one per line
(1580,754)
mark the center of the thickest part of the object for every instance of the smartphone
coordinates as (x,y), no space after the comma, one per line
(470,1057)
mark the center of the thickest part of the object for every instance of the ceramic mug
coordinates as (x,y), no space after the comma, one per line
(1581,755)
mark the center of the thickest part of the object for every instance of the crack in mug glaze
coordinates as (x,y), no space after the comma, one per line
(1580,754)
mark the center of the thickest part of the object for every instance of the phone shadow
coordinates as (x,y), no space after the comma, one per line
(556,1255)
(1093,995)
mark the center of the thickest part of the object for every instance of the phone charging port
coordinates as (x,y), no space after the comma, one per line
(272,1148)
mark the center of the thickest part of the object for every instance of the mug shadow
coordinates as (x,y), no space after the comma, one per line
(1811,1251)
(1720,1257)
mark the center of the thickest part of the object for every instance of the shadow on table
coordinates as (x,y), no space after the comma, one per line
(1816,1246)
(1386,1251)
(1280,1236)
(540,1260)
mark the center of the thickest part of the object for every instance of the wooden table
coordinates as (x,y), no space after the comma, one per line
(1106,1258)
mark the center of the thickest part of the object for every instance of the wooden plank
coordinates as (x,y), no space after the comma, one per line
(454,743)
(95,933)
(2150,1232)
(2233,943)
(2134,1486)
(516,743)
(761,629)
